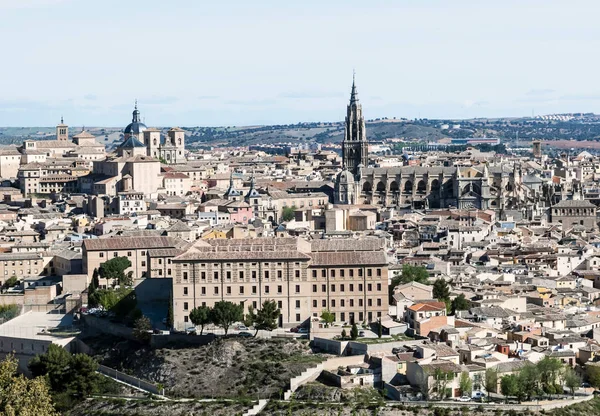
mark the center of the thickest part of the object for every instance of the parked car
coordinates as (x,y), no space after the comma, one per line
(241,328)
(478,395)
(245,334)
(191,330)
(464,399)
(585,385)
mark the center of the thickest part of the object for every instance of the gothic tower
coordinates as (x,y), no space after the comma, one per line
(355,148)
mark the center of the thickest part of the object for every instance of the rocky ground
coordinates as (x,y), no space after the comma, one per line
(122,407)
(226,368)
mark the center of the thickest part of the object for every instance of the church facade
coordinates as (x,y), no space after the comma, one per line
(466,187)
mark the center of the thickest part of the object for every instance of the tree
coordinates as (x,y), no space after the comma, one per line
(465,384)
(11,282)
(95,280)
(328,317)
(490,381)
(571,379)
(440,382)
(548,370)
(83,377)
(287,213)
(141,329)
(266,317)
(409,274)
(354,332)
(23,396)
(344,334)
(55,363)
(460,303)
(509,385)
(114,269)
(528,382)
(225,313)
(441,290)
(170,314)
(200,316)
(593,374)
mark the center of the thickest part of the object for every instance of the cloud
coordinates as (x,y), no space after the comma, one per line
(539,92)
(155,99)
(310,94)
(581,97)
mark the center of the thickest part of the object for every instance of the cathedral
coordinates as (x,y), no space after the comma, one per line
(171,150)
(482,186)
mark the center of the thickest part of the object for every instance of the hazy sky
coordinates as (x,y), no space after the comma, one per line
(243,62)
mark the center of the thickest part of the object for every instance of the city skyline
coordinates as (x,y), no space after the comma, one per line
(220,64)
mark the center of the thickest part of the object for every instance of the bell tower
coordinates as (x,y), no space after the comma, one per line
(62,131)
(355,147)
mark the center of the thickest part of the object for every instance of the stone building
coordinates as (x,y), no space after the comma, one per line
(347,277)
(482,186)
(571,213)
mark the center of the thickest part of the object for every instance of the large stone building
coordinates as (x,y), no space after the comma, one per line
(484,186)
(171,150)
(347,277)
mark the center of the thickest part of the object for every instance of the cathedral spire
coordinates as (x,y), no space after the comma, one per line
(353,94)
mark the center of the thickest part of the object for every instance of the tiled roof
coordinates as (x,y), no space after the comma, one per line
(124,243)
(369,258)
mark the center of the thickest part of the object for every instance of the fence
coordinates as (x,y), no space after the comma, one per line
(131,380)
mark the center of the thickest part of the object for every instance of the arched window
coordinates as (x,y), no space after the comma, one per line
(408,187)
(367,187)
(394,186)
(421,187)
(380,187)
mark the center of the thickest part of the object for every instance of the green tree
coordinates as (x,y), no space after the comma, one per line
(490,381)
(528,382)
(287,213)
(55,364)
(441,290)
(114,269)
(571,379)
(266,317)
(170,314)
(509,385)
(460,303)
(548,370)
(593,374)
(328,317)
(440,382)
(344,334)
(200,316)
(225,313)
(465,384)
(95,279)
(83,377)
(354,332)
(11,282)
(141,329)
(409,274)
(20,396)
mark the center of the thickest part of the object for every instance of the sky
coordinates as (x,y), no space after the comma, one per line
(241,62)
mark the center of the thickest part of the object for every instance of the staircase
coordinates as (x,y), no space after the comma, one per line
(310,374)
(257,408)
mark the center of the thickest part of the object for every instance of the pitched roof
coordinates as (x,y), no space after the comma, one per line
(124,243)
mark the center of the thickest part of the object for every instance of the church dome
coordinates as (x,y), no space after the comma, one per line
(345,177)
(136,126)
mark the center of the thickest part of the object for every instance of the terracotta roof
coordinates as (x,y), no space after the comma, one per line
(428,307)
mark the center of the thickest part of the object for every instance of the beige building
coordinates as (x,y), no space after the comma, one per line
(10,160)
(176,184)
(136,249)
(21,265)
(347,277)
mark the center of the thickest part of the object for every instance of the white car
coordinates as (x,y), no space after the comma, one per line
(478,395)
(464,399)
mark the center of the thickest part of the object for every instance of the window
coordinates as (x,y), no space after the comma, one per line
(342,303)
(101,255)
(314,303)
(351,271)
(360,302)
(378,272)
(169,272)
(369,287)
(333,273)
(143,264)
(360,287)
(333,303)
(342,288)
(186,319)
(129,254)
(241,290)
(143,253)
(360,272)
(279,288)
(297,304)
(369,302)
(378,302)
(314,288)
(333,288)
(115,254)
(324,303)
(254,290)
(241,275)
(342,273)
(351,303)
(351,287)
(297,273)
(254,274)
(279,304)
(185,291)
(185,306)
(229,290)
(216,275)
(229,275)
(279,274)
(323,273)
(323,288)
(266,274)
(185,275)
(314,273)
(216,290)
(297,317)
(203,275)
(267,289)
(254,304)
(369,272)
(379,287)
